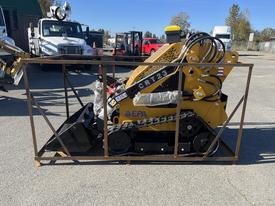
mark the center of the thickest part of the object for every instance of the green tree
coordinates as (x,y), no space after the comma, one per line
(239,23)
(148,34)
(257,35)
(183,20)
(244,27)
(106,35)
(101,30)
(266,34)
(154,36)
(162,38)
(233,18)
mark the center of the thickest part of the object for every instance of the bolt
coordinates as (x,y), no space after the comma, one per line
(189,127)
(199,94)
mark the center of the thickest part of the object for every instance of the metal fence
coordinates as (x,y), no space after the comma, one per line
(268,46)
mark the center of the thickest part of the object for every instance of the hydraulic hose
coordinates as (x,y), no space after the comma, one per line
(212,54)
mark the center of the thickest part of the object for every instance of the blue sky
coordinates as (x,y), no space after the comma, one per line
(154,15)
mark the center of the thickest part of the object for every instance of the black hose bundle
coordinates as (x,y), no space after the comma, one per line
(216,45)
(215,54)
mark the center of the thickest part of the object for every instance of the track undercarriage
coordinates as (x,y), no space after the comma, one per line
(82,132)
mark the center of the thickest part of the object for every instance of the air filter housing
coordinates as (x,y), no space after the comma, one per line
(173,33)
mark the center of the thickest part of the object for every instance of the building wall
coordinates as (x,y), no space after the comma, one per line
(17,28)
(18,15)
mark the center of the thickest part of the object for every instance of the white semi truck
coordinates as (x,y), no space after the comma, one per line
(58,35)
(224,34)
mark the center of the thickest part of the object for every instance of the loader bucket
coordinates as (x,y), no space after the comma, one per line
(76,132)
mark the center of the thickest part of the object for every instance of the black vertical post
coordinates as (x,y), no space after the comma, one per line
(66,89)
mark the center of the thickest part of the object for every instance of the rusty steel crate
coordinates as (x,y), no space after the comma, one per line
(227,155)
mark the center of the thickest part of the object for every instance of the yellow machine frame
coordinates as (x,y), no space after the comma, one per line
(195,82)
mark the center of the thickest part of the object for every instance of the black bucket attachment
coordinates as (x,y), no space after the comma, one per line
(77,132)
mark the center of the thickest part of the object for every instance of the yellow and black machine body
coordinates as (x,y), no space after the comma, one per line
(142,109)
(10,71)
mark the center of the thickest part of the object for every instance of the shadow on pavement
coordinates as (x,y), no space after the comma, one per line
(258,144)
(48,89)
(258,147)
(10,106)
(53,78)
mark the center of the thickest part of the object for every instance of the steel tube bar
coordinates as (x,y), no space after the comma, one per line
(171,157)
(138,158)
(105,134)
(179,100)
(29,100)
(124,63)
(223,127)
(66,90)
(50,125)
(73,89)
(114,69)
(240,133)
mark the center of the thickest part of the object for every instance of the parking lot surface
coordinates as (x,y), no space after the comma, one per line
(250,182)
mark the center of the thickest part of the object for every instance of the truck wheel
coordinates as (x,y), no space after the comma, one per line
(152,52)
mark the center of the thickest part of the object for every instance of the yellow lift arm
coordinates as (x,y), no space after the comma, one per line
(11,73)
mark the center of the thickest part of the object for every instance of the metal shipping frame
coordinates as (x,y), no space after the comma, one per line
(103,61)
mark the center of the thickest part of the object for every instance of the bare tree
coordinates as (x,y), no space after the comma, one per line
(45,6)
(182,20)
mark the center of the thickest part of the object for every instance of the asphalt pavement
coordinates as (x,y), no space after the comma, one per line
(250,182)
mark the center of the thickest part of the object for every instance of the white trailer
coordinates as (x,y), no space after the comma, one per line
(224,34)
(58,35)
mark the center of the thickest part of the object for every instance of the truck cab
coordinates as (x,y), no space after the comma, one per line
(57,35)
(224,34)
(150,45)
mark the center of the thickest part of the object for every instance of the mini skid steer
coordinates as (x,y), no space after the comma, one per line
(142,109)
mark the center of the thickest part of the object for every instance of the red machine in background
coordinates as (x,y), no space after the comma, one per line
(133,44)
(128,44)
(150,45)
